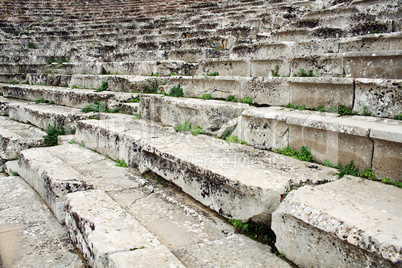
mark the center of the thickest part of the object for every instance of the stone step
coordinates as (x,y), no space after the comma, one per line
(211,115)
(110,237)
(107,207)
(15,137)
(144,68)
(229,166)
(78,98)
(123,83)
(378,96)
(365,43)
(345,221)
(29,232)
(43,115)
(368,141)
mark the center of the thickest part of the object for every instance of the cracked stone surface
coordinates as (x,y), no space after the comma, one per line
(353,222)
(30,236)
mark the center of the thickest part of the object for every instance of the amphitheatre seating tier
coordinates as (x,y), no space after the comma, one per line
(112,210)
(319,77)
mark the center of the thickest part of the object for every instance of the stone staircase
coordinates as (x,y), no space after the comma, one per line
(271,75)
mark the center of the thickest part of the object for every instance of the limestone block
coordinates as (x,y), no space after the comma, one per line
(130,108)
(375,42)
(43,115)
(387,159)
(52,183)
(263,128)
(264,67)
(67,97)
(225,67)
(327,65)
(56,171)
(159,256)
(317,46)
(151,107)
(217,87)
(208,114)
(339,148)
(15,137)
(380,97)
(384,64)
(266,91)
(29,232)
(100,228)
(262,50)
(315,92)
(340,225)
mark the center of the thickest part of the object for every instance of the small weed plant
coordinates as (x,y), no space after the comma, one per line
(153,89)
(134,100)
(52,132)
(212,74)
(155,74)
(291,106)
(82,144)
(206,97)
(42,100)
(121,163)
(388,181)
(328,163)
(398,117)
(275,72)
(14,82)
(231,98)
(183,127)
(252,230)
(366,112)
(96,107)
(197,130)
(247,100)
(302,73)
(73,141)
(31,46)
(137,116)
(348,169)
(103,87)
(303,155)
(235,139)
(15,173)
(176,91)
(74,87)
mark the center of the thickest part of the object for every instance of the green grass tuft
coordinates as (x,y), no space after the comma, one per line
(121,163)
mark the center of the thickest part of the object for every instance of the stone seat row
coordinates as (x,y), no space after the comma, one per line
(377,97)
(378,139)
(154,144)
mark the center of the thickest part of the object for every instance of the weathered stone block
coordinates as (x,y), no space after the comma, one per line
(99,227)
(225,67)
(208,114)
(264,129)
(383,64)
(265,67)
(231,179)
(337,147)
(387,159)
(315,92)
(15,137)
(340,225)
(266,91)
(379,97)
(158,256)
